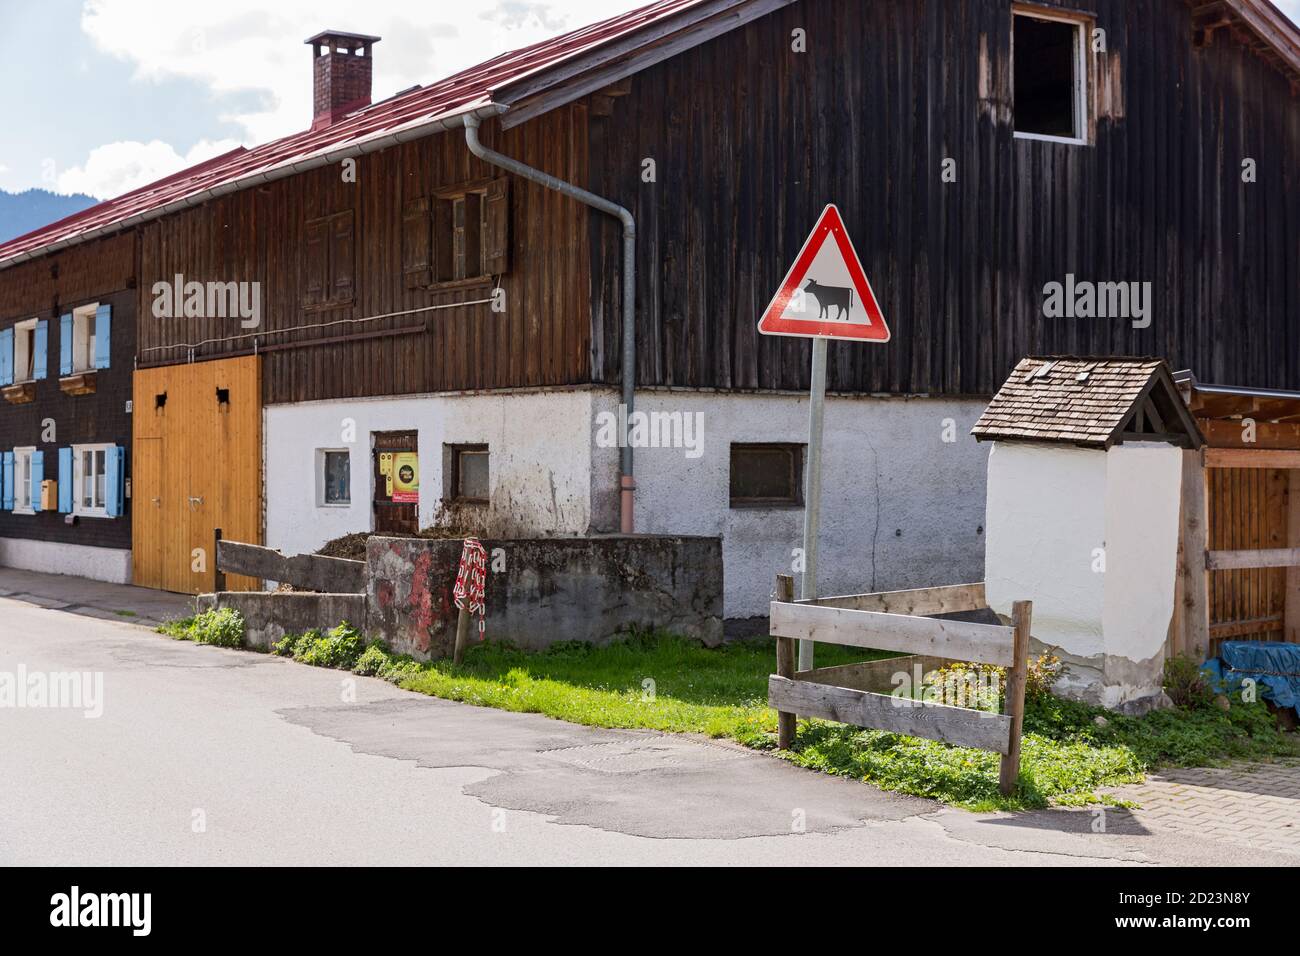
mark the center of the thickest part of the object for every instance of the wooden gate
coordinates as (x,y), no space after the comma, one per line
(197,443)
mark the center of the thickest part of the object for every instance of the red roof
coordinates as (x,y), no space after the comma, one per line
(467,91)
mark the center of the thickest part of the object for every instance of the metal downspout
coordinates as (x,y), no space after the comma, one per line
(627,484)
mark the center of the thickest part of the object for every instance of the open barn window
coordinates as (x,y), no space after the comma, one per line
(456,235)
(1051,76)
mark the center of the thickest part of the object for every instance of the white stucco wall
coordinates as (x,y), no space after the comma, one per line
(1143,491)
(539,465)
(50,557)
(1046,515)
(1091,537)
(901,507)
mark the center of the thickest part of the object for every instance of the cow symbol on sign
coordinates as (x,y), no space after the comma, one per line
(827,296)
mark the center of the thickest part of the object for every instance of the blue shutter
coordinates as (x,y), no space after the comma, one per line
(7,357)
(38,475)
(65,344)
(7,481)
(41,346)
(65,481)
(103,334)
(115,479)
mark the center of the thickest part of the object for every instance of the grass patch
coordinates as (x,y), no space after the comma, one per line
(223,627)
(674,685)
(126,614)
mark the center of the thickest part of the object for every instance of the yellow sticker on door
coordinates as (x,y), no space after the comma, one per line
(406,477)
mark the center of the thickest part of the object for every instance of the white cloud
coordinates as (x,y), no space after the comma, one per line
(116,168)
(251,56)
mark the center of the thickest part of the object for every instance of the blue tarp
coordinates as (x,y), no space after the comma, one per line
(1275,667)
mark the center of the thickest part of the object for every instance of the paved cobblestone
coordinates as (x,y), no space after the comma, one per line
(1249,805)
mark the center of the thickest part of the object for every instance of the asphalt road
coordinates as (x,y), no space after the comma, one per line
(209,756)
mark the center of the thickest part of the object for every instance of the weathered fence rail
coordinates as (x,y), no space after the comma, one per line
(308,572)
(899,621)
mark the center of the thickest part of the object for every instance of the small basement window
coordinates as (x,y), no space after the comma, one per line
(766,475)
(334,477)
(469,474)
(1051,77)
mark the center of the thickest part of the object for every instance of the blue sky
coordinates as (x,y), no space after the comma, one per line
(141,88)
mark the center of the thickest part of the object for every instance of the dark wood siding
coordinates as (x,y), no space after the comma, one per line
(78,419)
(751,140)
(542,338)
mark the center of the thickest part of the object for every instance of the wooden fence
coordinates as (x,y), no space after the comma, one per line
(900,621)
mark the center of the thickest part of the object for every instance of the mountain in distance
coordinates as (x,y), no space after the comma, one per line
(22,212)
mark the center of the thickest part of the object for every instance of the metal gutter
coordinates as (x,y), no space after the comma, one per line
(1188,379)
(627,483)
(415,131)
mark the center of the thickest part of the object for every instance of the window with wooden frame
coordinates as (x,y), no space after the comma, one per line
(467,474)
(460,234)
(329,261)
(766,475)
(1049,52)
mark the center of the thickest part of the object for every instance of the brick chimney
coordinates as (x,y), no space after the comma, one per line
(341,73)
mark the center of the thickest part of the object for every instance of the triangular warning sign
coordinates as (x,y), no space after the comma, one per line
(826,293)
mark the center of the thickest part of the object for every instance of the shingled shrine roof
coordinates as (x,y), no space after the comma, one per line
(1091,402)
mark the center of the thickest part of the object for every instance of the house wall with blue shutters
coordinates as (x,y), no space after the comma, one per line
(52,290)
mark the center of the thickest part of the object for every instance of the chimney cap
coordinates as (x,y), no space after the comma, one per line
(341,38)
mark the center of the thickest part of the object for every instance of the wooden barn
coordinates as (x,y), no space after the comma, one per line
(522,299)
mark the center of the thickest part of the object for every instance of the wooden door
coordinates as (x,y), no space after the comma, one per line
(147,511)
(1248,511)
(198,453)
(392,516)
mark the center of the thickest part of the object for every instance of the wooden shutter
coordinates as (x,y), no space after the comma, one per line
(472,235)
(343,266)
(65,343)
(41,348)
(103,336)
(417,243)
(314,263)
(442,241)
(7,357)
(458,238)
(38,478)
(496,228)
(65,481)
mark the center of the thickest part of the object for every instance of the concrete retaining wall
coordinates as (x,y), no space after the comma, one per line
(269,616)
(540,591)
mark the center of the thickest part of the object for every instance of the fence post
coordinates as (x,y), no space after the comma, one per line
(1021,617)
(218,576)
(785,722)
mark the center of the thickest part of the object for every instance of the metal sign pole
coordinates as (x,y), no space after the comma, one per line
(813,487)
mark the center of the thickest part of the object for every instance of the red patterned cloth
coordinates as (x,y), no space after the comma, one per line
(471,581)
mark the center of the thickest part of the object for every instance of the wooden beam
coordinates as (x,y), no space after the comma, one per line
(1195,584)
(877,676)
(986,643)
(1263,558)
(1017,675)
(1230,433)
(921,602)
(1230,629)
(1251,458)
(1291,607)
(958,726)
(786,721)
